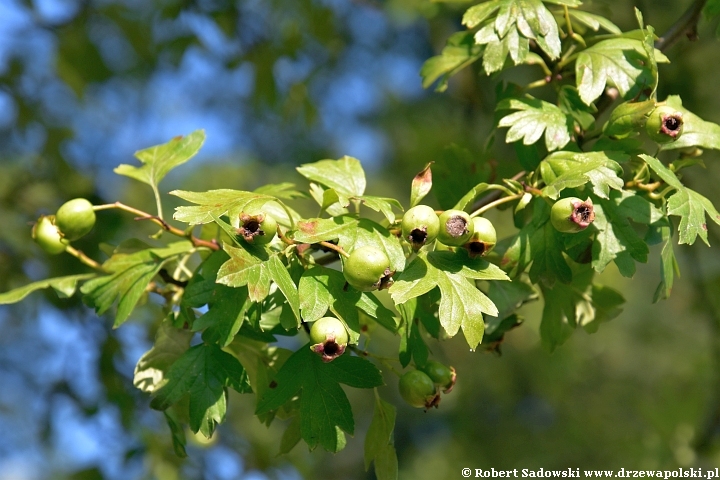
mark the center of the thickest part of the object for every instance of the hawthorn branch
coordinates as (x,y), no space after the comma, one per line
(494,195)
(197,242)
(685,25)
(84,258)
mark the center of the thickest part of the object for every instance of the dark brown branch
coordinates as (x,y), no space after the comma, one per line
(686,25)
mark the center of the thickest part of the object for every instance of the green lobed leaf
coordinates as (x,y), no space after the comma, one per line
(412,344)
(152,368)
(64,286)
(345,176)
(329,200)
(461,303)
(595,22)
(696,131)
(561,170)
(468,199)
(689,205)
(516,23)
(316,230)
(507,297)
(382,205)
(669,266)
(620,62)
(203,372)
(571,104)
(616,239)
(160,159)
(324,408)
(225,316)
(130,273)
(217,203)
(379,435)
(533,118)
(460,51)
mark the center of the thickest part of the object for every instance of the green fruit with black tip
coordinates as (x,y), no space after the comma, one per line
(257,228)
(75,218)
(483,239)
(368,268)
(440,374)
(329,338)
(46,234)
(627,118)
(456,228)
(665,124)
(572,215)
(420,225)
(418,389)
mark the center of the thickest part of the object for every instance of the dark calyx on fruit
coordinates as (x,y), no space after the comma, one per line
(456,226)
(475,248)
(584,214)
(251,226)
(329,350)
(671,125)
(418,236)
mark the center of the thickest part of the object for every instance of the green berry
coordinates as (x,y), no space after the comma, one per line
(75,218)
(46,234)
(456,228)
(665,124)
(440,374)
(572,215)
(368,268)
(329,338)
(257,228)
(483,239)
(420,226)
(418,390)
(628,118)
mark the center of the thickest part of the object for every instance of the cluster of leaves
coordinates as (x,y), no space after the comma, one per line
(226,301)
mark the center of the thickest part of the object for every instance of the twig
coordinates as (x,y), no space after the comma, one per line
(491,197)
(337,248)
(197,242)
(84,258)
(685,25)
(495,203)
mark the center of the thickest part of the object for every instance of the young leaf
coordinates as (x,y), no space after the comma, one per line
(668,263)
(160,159)
(689,205)
(152,368)
(130,274)
(64,286)
(594,21)
(324,407)
(379,435)
(460,51)
(468,199)
(533,118)
(412,344)
(203,372)
(382,205)
(218,203)
(421,185)
(345,176)
(696,131)
(621,61)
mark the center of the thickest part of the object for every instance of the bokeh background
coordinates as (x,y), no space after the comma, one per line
(278,83)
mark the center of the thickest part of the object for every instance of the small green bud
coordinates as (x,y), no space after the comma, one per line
(665,124)
(456,228)
(572,215)
(368,268)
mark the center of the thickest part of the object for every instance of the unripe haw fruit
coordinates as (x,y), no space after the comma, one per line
(46,234)
(75,218)
(418,390)
(627,118)
(420,226)
(329,338)
(572,215)
(368,268)
(665,124)
(440,374)
(257,228)
(456,228)
(483,239)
